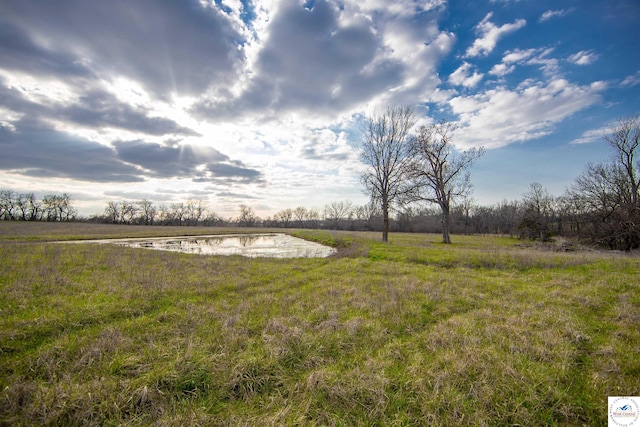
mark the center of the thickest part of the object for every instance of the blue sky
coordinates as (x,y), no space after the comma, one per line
(259,102)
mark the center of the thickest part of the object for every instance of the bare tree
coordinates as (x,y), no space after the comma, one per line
(385,149)
(34,206)
(247,216)
(178,212)
(214,219)
(335,212)
(22,203)
(148,212)
(507,217)
(538,215)
(7,204)
(312,217)
(300,214)
(440,174)
(284,217)
(611,190)
(58,207)
(194,211)
(112,212)
(128,212)
(625,141)
(164,215)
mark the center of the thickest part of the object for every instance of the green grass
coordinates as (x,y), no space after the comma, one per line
(486,331)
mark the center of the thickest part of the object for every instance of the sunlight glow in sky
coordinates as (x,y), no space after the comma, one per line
(259,102)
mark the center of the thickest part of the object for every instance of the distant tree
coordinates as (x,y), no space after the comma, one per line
(58,207)
(312,217)
(574,211)
(439,173)
(147,211)
(463,212)
(300,215)
(335,212)
(22,206)
(178,212)
(128,212)
(360,213)
(112,212)
(213,219)
(610,191)
(538,213)
(7,204)
(284,217)
(194,211)
(247,217)
(385,152)
(26,207)
(504,217)
(34,207)
(165,215)
(406,219)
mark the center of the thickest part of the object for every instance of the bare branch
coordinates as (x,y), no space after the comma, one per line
(439,174)
(385,150)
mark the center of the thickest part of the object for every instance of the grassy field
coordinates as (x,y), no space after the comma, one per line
(487,331)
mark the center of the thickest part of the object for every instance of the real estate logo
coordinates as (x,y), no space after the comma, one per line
(624,411)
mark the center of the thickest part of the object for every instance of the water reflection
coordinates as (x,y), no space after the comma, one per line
(249,245)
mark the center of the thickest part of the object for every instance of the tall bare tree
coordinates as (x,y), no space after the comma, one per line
(385,151)
(440,173)
(625,141)
(611,191)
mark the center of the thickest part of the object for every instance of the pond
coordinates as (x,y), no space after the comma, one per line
(270,245)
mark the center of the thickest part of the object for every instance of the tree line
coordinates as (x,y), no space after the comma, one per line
(420,186)
(27,207)
(601,207)
(538,215)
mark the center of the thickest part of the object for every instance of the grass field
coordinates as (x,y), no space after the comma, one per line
(487,331)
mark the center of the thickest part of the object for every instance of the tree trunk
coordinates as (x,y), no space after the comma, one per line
(445,224)
(385,220)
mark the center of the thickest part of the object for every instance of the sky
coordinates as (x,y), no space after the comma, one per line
(260,102)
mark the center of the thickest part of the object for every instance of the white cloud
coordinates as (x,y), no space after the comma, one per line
(502,69)
(399,8)
(518,55)
(550,14)
(532,57)
(592,135)
(584,57)
(490,34)
(631,80)
(549,66)
(336,58)
(463,77)
(500,117)
(537,57)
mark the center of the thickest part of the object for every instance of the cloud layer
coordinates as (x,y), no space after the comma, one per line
(263,99)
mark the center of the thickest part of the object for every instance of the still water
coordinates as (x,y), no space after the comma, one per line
(272,245)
